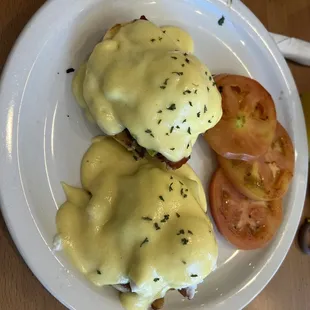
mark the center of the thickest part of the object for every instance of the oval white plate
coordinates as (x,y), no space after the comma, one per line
(44,136)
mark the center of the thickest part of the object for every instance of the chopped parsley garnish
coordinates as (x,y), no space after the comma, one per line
(153,40)
(149,131)
(195,92)
(187,146)
(221,21)
(213,83)
(185,196)
(162,87)
(187,60)
(98,271)
(208,88)
(206,72)
(186,92)
(165,219)
(171,178)
(209,121)
(167,134)
(156,226)
(171,129)
(178,73)
(184,262)
(190,232)
(194,275)
(178,215)
(156,279)
(210,78)
(146,218)
(146,240)
(189,130)
(184,121)
(172,107)
(205,109)
(166,81)
(198,114)
(164,31)
(160,38)
(173,57)
(183,65)
(161,198)
(159,122)
(181,183)
(170,187)
(172,149)
(190,103)
(184,241)
(160,111)
(70,70)
(185,54)
(181,232)
(178,127)
(182,191)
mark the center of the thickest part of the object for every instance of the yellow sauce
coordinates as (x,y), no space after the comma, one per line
(144,78)
(134,221)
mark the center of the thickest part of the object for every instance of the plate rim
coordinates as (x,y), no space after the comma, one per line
(253,289)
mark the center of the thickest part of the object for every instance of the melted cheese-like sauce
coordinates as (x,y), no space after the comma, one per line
(135,222)
(144,78)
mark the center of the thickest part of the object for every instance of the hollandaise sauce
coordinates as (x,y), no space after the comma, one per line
(135,222)
(144,78)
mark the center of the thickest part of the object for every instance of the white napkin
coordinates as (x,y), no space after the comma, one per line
(293,49)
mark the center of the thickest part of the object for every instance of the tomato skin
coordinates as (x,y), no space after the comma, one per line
(249,119)
(268,177)
(245,223)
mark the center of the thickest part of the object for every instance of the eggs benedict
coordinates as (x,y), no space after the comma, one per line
(143,85)
(136,226)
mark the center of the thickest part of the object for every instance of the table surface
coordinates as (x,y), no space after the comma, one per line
(288,290)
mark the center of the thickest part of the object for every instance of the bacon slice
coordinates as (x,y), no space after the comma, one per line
(125,139)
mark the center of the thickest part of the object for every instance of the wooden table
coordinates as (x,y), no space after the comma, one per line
(288,290)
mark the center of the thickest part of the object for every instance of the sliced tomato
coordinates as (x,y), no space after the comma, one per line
(269,176)
(245,223)
(249,119)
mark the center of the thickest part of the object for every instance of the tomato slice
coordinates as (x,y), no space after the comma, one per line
(249,119)
(247,224)
(269,176)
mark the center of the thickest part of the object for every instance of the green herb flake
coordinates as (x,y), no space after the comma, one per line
(160,111)
(181,232)
(198,114)
(194,275)
(178,73)
(172,149)
(183,65)
(195,92)
(170,187)
(156,226)
(148,131)
(185,54)
(221,21)
(181,183)
(164,31)
(187,60)
(209,121)
(172,107)
(161,198)
(186,92)
(190,232)
(184,262)
(184,196)
(184,241)
(208,88)
(162,87)
(187,146)
(210,78)
(171,178)
(156,279)
(153,40)
(184,121)
(189,130)
(160,38)
(166,81)
(171,129)
(178,215)
(178,127)
(213,83)
(159,122)
(167,134)
(98,271)
(146,240)
(205,109)
(173,57)
(146,218)
(206,72)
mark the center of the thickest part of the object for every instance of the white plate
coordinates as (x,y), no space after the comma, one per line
(44,135)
